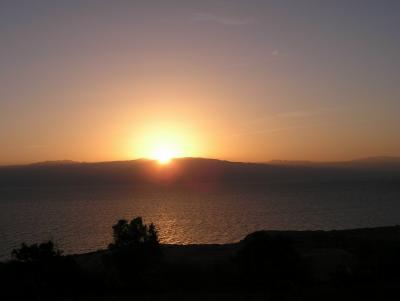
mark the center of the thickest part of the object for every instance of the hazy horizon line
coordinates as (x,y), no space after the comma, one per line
(69,161)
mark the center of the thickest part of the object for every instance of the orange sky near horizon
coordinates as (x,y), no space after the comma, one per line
(221,79)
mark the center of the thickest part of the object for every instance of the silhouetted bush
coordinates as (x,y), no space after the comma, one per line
(268,261)
(135,253)
(36,252)
(133,234)
(39,271)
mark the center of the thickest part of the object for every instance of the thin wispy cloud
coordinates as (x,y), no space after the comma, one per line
(222,20)
(270,130)
(278,53)
(308,112)
(299,114)
(279,129)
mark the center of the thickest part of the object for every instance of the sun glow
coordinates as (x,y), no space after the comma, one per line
(164,154)
(164,142)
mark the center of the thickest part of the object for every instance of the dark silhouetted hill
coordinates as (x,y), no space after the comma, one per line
(192,171)
(377,162)
(54,163)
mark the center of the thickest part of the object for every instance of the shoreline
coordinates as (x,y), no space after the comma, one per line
(381,233)
(331,265)
(332,245)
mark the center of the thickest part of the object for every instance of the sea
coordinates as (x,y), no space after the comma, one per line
(79,218)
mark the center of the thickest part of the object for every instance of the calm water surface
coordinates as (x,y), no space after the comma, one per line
(79,219)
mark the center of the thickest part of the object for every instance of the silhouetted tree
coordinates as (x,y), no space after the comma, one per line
(36,253)
(134,233)
(134,250)
(152,235)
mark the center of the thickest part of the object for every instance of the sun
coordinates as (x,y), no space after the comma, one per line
(163,142)
(164,154)
(164,149)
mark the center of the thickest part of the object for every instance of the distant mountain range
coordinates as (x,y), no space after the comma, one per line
(369,160)
(379,160)
(192,171)
(54,163)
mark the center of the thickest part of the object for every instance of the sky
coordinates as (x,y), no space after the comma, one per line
(237,80)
